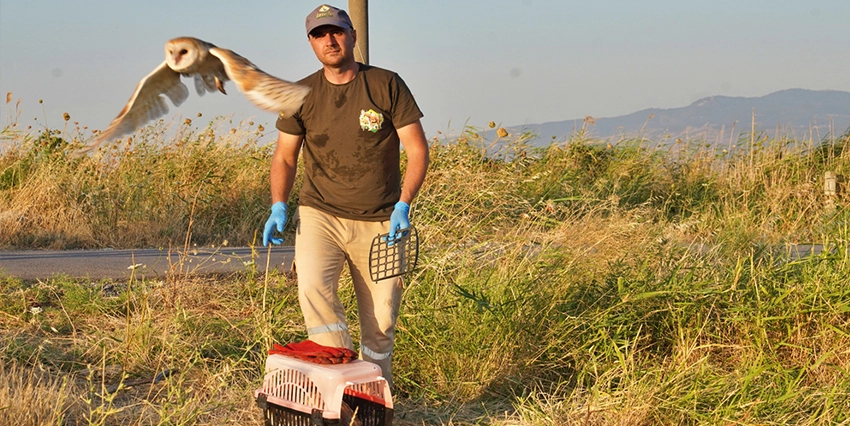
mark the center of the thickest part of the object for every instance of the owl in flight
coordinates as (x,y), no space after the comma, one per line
(210,66)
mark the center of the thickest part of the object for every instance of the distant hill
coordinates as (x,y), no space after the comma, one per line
(797,113)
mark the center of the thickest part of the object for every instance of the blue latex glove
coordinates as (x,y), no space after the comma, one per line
(276,222)
(398,220)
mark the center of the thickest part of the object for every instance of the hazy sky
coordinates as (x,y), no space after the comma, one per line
(467,62)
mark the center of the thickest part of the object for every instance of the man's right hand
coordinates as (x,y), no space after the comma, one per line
(276,221)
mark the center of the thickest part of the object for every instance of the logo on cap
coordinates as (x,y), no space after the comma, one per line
(324,11)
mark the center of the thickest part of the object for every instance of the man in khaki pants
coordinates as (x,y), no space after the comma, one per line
(349,130)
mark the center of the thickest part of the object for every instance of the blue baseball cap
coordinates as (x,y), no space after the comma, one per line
(328,15)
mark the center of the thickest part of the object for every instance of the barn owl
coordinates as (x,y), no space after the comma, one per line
(210,66)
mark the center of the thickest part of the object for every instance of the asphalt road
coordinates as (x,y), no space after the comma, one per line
(144,263)
(153,263)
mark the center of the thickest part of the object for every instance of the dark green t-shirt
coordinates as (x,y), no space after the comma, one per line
(351,148)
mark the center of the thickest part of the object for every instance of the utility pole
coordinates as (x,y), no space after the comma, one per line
(358,10)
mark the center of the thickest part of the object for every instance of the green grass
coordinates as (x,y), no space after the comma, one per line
(583,283)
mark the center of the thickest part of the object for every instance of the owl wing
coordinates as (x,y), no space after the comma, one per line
(146,104)
(263,90)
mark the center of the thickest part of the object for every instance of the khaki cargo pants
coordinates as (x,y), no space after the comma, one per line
(323,244)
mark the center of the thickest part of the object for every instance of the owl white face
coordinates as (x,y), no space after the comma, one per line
(182,54)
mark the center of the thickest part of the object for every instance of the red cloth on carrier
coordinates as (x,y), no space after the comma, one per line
(308,350)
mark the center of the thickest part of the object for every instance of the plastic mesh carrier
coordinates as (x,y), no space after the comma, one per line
(297,393)
(386,261)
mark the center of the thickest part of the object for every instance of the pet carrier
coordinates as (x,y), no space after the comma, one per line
(297,393)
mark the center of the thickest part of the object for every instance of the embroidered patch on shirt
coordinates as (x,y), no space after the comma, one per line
(371,120)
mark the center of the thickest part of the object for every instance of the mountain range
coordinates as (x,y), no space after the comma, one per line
(795,113)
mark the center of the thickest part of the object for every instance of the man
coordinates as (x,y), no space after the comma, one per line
(349,130)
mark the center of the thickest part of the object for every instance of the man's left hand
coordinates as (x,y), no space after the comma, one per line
(398,220)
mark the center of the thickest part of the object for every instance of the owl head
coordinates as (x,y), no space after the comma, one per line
(183,54)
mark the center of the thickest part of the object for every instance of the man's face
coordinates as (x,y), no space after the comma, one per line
(334,46)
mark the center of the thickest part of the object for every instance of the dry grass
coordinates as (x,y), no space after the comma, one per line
(31,397)
(578,284)
(209,333)
(141,193)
